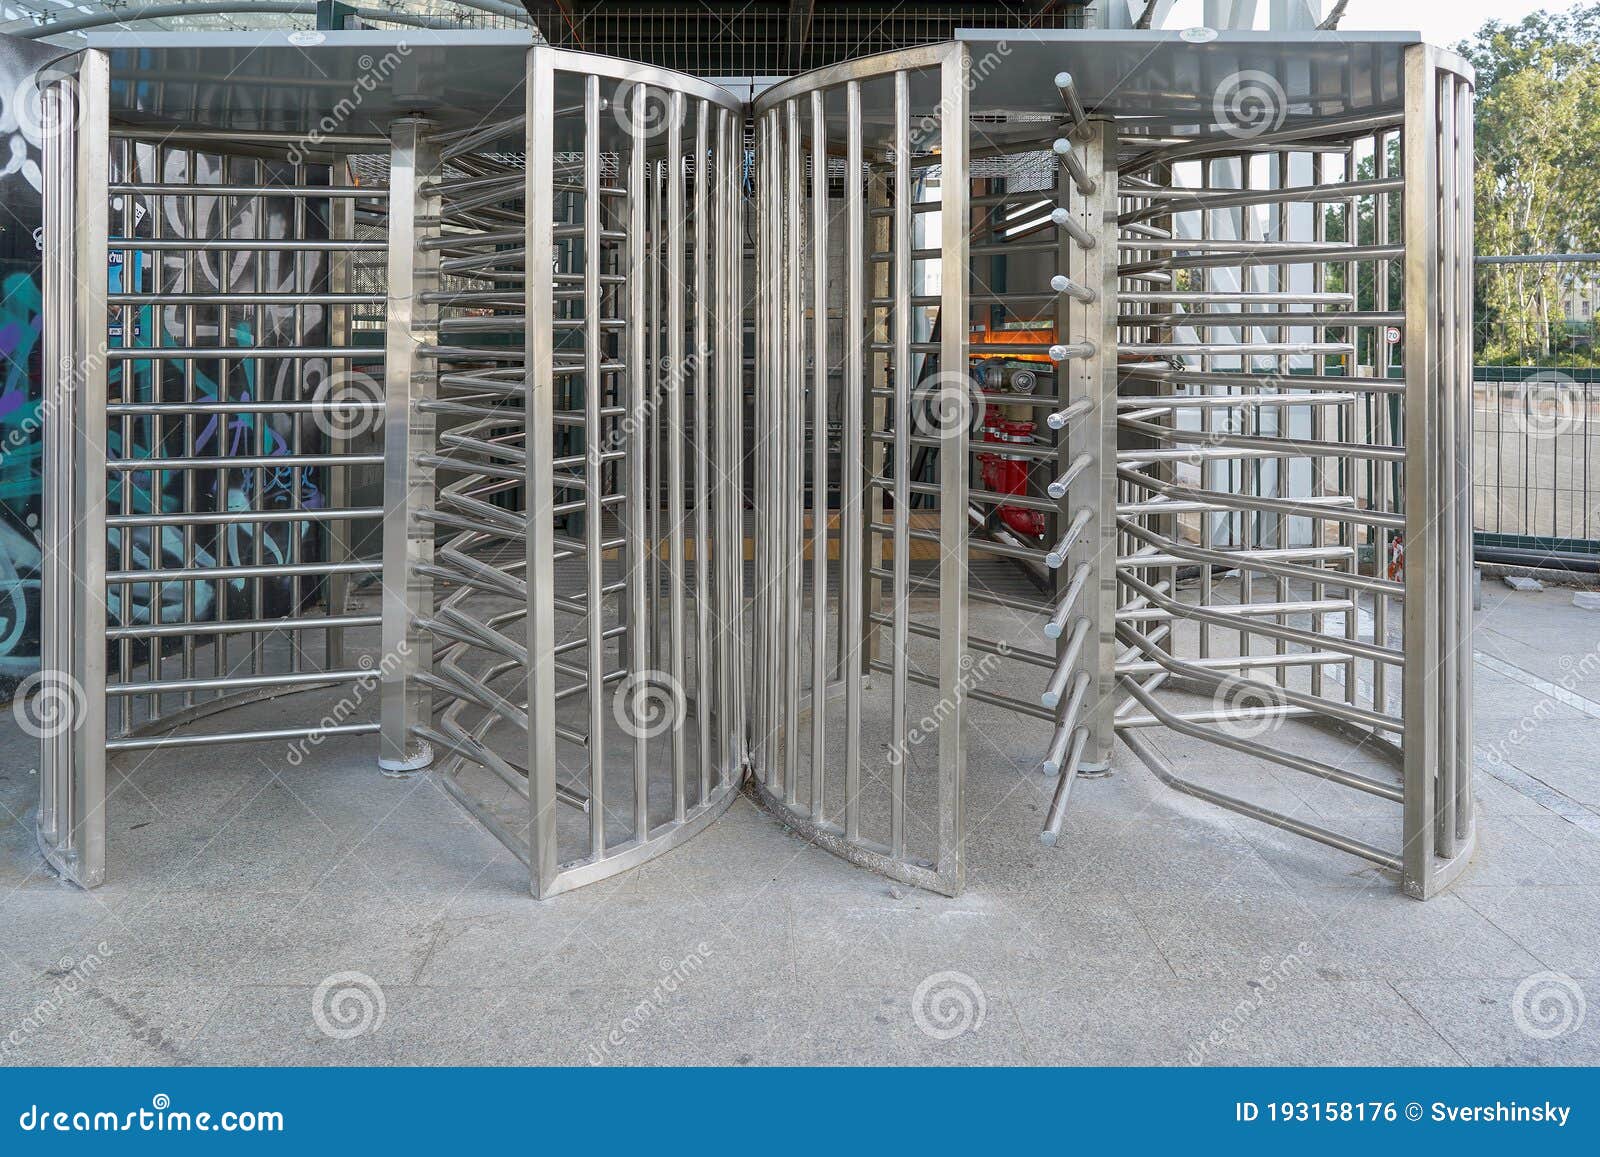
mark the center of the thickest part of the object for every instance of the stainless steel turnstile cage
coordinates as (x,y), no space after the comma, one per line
(569,619)
(1175,328)
(1103,386)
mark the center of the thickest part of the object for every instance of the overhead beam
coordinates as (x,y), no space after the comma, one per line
(800,12)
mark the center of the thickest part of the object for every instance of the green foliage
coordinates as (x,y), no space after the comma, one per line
(1537,185)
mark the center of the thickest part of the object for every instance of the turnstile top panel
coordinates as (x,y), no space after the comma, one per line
(302,81)
(1170,82)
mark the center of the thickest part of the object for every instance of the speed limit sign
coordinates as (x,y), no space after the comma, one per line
(1392,335)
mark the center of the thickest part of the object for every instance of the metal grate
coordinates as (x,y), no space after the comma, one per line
(775,39)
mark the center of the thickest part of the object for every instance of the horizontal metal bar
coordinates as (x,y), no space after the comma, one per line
(239,353)
(193,190)
(242,462)
(1163,771)
(974,694)
(243,627)
(207,574)
(175,410)
(1064,665)
(236,517)
(1239,349)
(166,134)
(1275,320)
(245,245)
(1058,619)
(244,682)
(217,738)
(1535,258)
(244,299)
(1069,538)
(1243,297)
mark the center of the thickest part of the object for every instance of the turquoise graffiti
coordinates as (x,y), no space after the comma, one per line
(20,452)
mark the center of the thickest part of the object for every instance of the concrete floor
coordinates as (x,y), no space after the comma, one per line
(242,891)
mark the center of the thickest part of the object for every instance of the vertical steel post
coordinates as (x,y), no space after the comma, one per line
(853,483)
(955,193)
(410,377)
(56,462)
(539,384)
(676,380)
(594,474)
(902,243)
(793,401)
(819,451)
(81,816)
(1099,375)
(704,230)
(640,423)
(1422,635)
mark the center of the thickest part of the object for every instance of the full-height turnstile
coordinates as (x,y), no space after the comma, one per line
(1103,386)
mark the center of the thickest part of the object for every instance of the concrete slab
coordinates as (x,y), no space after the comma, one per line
(1160,930)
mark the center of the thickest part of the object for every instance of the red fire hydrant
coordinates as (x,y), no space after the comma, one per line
(1008,473)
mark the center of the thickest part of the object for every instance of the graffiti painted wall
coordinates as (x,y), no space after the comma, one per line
(20,382)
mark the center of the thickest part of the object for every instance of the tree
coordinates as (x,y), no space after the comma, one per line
(1537,183)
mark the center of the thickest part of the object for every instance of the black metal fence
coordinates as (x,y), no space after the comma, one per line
(1536,409)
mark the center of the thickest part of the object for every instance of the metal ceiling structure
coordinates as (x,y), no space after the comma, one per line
(728,39)
(67,23)
(776,37)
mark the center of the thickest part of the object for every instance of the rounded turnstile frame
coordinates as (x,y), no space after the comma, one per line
(504,470)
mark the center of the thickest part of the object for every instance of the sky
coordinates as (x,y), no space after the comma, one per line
(1441,22)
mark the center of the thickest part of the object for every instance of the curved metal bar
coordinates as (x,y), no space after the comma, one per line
(80,21)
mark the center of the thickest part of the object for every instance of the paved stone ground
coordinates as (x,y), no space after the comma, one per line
(1160,931)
